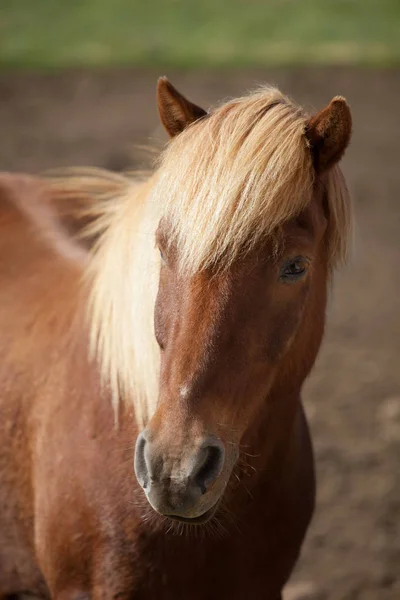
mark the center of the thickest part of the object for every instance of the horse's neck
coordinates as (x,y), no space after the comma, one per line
(275,446)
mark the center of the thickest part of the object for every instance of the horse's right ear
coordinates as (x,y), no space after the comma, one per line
(329,133)
(176,112)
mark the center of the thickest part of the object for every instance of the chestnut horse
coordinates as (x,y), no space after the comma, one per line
(173,340)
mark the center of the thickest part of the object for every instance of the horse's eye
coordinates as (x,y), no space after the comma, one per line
(162,256)
(294,269)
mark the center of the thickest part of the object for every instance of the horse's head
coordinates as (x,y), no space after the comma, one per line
(246,240)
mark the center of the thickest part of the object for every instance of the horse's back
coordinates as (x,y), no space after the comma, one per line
(40,267)
(38,273)
(38,280)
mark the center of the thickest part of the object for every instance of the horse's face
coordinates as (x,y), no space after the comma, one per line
(224,339)
(232,340)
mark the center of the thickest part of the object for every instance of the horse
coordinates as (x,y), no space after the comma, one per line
(156,332)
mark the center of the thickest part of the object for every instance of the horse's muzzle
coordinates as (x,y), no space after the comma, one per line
(179,484)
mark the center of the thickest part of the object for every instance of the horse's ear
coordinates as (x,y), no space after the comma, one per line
(329,134)
(176,112)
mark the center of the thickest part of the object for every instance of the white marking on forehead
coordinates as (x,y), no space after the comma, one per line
(184,391)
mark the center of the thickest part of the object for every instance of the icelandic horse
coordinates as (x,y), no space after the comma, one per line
(163,326)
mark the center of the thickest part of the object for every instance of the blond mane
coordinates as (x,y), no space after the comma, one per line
(222,185)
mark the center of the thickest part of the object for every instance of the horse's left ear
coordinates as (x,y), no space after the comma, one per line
(176,112)
(329,134)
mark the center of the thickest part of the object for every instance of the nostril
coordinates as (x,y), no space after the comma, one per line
(210,468)
(140,465)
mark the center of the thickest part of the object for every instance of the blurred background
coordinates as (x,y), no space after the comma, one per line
(77,87)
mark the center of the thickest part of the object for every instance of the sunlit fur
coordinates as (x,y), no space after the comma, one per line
(222,185)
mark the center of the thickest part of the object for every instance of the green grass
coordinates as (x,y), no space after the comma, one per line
(193,33)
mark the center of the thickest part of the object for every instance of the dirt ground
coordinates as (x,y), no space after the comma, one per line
(352,551)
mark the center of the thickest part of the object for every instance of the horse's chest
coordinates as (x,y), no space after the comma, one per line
(201,569)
